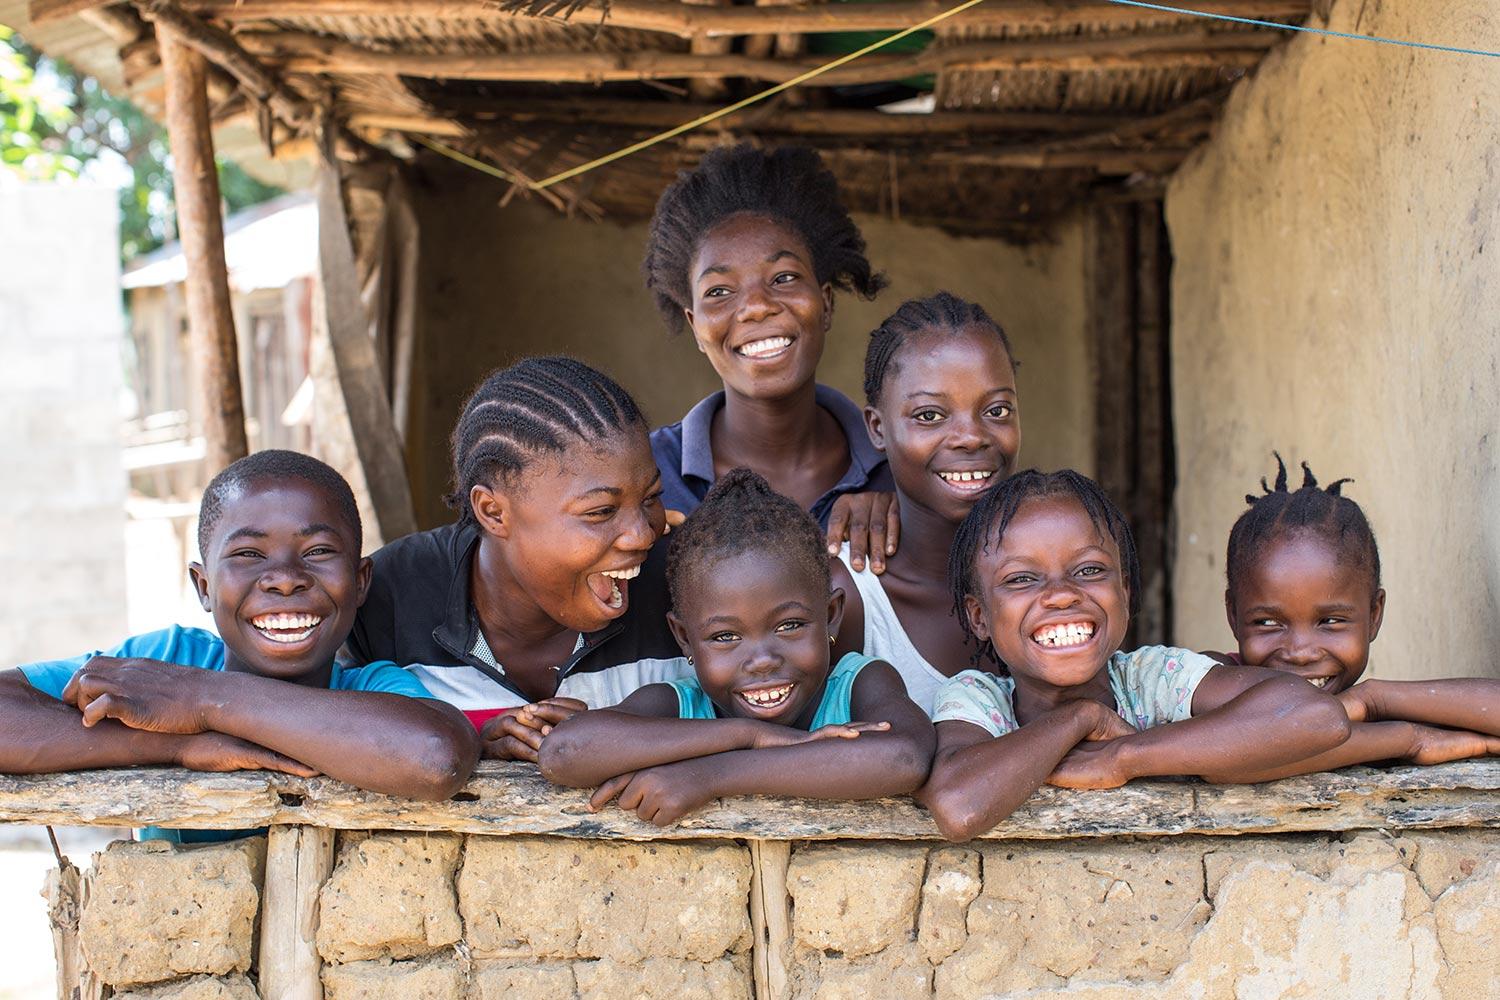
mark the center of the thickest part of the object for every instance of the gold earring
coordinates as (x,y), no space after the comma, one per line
(832,639)
(690,661)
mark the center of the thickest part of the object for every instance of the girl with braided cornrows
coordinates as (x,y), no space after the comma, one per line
(1304,597)
(540,599)
(1044,574)
(940,388)
(747,251)
(766,711)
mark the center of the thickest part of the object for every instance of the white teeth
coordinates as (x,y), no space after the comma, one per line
(758,348)
(1071,634)
(283,622)
(616,599)
(767,697)
(622,574)
(1320,682)
(978,476)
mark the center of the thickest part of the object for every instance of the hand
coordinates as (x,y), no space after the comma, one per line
(1105,722)
(674,520)
(518,735)
(770,735)
(1434,745)
(222,752)
(1094,765)
(872,524)
(660,795)
(142,694)
(1356,705)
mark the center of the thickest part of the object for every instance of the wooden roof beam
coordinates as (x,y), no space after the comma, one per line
(687,21)
(299,53)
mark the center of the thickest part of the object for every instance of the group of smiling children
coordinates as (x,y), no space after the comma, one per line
(984,661)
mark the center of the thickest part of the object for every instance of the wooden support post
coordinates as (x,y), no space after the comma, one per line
(200,228)
(770,918)
(298,862)
(360,376)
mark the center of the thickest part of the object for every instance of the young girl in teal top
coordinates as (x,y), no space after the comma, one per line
(1045,576)
(754,612)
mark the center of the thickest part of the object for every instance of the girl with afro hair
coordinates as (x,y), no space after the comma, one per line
(747,251)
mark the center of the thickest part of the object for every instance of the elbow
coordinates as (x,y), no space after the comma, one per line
(559,760)
(1324,721)
(910,768)
(443,767)
(956,820)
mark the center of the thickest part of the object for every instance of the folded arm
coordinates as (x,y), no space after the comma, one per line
(1471,703)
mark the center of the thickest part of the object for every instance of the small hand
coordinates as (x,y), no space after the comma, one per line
(518,735)
(221,752)
(871,522)
(1093,765)
(142,694)
(1106,722)
(1356,706)
(660,795)
(674,520)
(1435,745)
(771,735)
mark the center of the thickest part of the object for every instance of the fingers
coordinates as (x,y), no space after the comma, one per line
(103,707)
(892,524)
(607,791)
(545,714)
(838,525)
(674,520)
(509,748)
(868,727)
(877,541)
(859,537)
(274,761)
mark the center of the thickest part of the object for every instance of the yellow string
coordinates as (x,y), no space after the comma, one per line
(702,120)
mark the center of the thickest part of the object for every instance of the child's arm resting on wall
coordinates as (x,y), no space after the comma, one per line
(1471,703)
(977,780)
(384,742)
(644,731)
(43,735)
(879,762)
(1246,720)
(1388,742)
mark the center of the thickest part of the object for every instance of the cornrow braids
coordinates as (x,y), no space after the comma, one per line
(1280,511)
(272,466)
(536,405)
(741,513)
(985,526)
(944,313)
(790,185)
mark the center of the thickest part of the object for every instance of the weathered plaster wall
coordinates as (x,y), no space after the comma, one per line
(444,917)
(1335,298)
(62,512)
(499,284)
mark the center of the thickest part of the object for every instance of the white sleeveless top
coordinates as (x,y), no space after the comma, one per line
(885,638)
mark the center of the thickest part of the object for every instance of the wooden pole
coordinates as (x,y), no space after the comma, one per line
(298,862)
(200,228)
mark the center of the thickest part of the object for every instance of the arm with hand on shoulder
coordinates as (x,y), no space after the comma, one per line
(378,740)
(1246,720)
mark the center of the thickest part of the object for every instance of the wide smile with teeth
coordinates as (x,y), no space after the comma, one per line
(1061,636)
(764,348)
(1319,682)
(973,481)
(616,598)
(287,628)
(768,697)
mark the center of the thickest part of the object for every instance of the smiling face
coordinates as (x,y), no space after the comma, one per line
(1052,598)
(757,628)
(1301,608)
(283,579)
(758,311)
(574,529)
(946,419)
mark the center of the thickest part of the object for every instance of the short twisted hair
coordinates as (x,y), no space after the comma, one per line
(272,466)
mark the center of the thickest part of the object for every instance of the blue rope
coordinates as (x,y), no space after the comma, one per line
(1310,31)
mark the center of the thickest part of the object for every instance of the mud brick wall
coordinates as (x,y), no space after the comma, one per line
(1370,917)
(442,916)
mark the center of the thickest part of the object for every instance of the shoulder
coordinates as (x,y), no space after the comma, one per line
(421,549)
(1160,660)
(188,647)
(977,697)
(659,700)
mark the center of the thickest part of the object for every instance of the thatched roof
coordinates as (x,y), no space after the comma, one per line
(1037,104)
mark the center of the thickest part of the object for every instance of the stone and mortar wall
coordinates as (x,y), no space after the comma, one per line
(442,917)
(1334,297)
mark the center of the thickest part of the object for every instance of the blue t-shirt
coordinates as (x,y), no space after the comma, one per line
(684,454)
(833,710)
(193,647)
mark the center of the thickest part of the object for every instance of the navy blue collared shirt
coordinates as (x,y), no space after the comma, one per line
(685,455)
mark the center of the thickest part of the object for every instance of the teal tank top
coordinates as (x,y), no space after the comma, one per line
(833,710)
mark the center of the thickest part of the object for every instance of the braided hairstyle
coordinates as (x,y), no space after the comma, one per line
(943,313)
(271,467)
(741,513)
(536,405)
(1322,510)
(985,526)
(790,185)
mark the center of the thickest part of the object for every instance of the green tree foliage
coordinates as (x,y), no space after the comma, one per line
(57,123)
